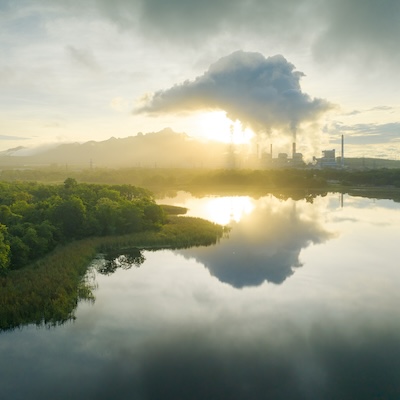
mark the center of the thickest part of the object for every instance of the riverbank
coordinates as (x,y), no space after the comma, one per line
(48,291)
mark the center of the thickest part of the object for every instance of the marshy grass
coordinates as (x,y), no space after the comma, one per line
(47,292)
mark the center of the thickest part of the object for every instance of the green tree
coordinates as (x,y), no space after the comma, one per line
(130,218)
(70,216)
(154,213)
(7,217)
(106,213)
(4,250)
(19,252)
(23,208)
(70,183)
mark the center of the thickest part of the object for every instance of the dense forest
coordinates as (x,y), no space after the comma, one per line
(35,218)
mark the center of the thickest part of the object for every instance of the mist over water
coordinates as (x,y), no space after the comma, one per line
(299,301)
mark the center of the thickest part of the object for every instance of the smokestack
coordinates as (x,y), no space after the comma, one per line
(293,149)
(271,149)
(342,159)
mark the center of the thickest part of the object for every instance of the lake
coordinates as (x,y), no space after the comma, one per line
(299,300)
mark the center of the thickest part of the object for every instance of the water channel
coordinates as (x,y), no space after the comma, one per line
(300,300)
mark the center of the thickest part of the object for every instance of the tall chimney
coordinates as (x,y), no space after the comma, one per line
(271,149)
(342,158)
(293,149)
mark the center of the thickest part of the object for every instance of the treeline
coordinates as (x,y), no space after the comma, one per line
(372,177)
(299,178)
(35,218)
(164,179)
(158,179)
(266,179)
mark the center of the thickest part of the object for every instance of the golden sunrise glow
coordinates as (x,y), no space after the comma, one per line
(223,210)
(216,125)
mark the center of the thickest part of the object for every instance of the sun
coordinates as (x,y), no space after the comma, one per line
(216,125)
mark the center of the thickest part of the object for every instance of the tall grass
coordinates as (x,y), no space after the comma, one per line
(47,292)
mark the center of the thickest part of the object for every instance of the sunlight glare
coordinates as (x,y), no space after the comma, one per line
(223,210)
(216,125)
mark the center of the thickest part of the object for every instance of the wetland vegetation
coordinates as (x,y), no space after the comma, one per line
(50,233)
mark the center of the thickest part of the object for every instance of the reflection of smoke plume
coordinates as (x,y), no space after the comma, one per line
(263,246)
(263,93)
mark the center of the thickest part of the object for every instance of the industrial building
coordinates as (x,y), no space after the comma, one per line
(328,159)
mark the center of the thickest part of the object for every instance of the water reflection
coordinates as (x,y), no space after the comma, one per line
(265,244)
(171,331)
(108,263)
(223,210)
(314,367)
(219,209)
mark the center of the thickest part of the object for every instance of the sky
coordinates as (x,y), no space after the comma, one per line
(259,71)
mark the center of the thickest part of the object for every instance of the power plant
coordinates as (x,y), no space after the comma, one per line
(282,160)
(328,160)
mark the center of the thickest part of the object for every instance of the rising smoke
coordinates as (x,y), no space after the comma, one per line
(264,94)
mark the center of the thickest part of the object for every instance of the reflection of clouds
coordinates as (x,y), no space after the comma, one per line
(195,367)
(264,245)
(211,364)
(363,210)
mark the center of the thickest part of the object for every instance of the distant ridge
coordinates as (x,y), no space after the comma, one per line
(162,149)
(370,163)
(12,151)
(165,149)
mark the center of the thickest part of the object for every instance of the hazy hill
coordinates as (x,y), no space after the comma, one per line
(163,149)
(370,163)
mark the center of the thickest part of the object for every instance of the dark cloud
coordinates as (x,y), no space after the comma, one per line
(365,30)
(199,21)
(263,93)
(184,21)
(357,29)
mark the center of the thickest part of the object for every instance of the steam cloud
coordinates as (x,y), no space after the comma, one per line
(262,93)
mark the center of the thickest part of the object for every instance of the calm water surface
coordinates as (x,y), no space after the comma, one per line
(300,301)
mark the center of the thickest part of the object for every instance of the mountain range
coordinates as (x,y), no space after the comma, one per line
(164,149)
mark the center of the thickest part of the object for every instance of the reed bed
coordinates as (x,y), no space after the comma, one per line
(47,292)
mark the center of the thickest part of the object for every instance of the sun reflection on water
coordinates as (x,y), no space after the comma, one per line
(223,210)
(220,210)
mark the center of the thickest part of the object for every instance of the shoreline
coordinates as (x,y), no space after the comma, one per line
(47,292)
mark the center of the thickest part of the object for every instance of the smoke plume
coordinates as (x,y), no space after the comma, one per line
(263,93)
